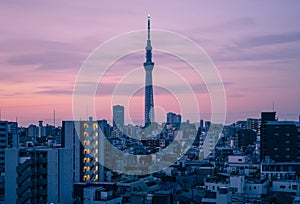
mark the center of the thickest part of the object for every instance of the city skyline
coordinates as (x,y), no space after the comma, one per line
(255,46)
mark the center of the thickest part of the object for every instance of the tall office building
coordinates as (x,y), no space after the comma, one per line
(118,117)
(148,65)
(265,117)
(38,175)
(281,141)
(83,137)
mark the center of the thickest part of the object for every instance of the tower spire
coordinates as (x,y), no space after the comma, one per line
(148,65)
(149,27)
(149,47)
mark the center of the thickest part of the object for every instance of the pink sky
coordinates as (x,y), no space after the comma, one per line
(255,46)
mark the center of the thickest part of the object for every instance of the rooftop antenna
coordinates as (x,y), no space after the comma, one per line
(54,117)
(16,119)
(273,106)
(0,113)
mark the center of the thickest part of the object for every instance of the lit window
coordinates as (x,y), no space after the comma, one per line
(86,160)
(86,151)
(86,142)
(85,134)
(85,125)
(95,126)
(86,178)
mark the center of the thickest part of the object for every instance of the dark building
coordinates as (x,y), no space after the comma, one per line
(207,125)
(201,124)
(282,141)
(241,124)
(265,117)
(118,117)
(246,137)
(148,65)
(174,119)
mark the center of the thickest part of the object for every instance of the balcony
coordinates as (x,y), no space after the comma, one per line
(24,187)
(24,198)
(26,175)
(23,166)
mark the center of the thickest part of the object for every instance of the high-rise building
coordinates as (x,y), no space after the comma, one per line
(118,117)
(83,137)
(148,65)
(38,175)
(174,119)
(281,141)
(265,117)
(13,135)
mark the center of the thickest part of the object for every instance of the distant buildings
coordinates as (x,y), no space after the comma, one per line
(118,117)
(174,120)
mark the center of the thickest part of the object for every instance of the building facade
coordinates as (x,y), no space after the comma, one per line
(118,117)
(83,137)
(38,175)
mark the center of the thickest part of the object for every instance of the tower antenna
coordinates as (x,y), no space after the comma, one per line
(54,117)
(148,66)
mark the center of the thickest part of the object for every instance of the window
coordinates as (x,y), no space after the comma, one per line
(287,149)
(282,187)
(294,187)
(254,187)
(287,134)
(95,126)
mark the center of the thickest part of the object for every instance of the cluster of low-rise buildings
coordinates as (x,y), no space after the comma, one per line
(175,162)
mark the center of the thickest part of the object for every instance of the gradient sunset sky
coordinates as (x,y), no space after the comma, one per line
(255,45)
